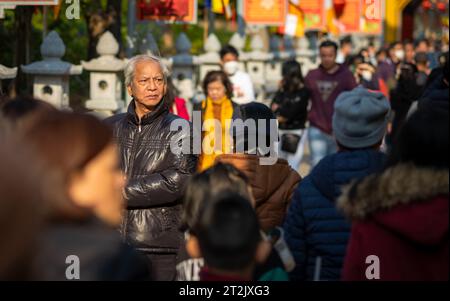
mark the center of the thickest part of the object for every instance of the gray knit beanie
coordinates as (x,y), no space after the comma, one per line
(360,118)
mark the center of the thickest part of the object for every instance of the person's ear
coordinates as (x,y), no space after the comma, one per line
(129,90)
(193,247)
(263,251)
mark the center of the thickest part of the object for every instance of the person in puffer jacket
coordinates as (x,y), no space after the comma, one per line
(315,231)
(401,216)
(156,176)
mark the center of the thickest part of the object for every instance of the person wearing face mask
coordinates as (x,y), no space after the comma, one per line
(243,91)
(366,76)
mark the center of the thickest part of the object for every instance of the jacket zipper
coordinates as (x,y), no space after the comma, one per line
(133,152)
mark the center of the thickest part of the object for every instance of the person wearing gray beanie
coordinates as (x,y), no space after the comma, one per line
(360,118)
(313,226)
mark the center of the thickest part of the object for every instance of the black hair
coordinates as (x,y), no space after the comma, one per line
(228,233)
(422,41)
(423,138)
(345,40)
(206,185)
(329,43)
(228,49)
(421,58)
(255,111)
(18,107)
(292,76)
(218,75)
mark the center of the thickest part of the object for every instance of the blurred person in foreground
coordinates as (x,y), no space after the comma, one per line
(272,184)
(401,214)
(315,230)
(22,213)
(83,191)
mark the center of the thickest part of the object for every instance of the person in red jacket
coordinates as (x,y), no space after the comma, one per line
(177,105)
(401,216)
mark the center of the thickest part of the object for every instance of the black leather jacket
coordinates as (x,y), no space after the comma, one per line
(156,178)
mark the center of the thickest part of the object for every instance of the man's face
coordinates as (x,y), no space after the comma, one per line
(328,57)
(229,57)
(347,48)
(409,52)
(148,86)
(422,47)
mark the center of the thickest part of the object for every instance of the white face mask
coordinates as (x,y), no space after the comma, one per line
(400,54)
(231,67)
(367,75)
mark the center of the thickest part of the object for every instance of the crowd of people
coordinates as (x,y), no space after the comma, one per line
(91,199)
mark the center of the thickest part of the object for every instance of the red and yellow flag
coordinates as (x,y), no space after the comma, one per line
(222,7)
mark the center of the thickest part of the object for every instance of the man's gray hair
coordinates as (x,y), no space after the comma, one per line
(131,66)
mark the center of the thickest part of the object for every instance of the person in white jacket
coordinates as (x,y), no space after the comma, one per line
(243,91)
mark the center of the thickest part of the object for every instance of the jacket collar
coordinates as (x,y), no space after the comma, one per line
(401,184)
(132,117)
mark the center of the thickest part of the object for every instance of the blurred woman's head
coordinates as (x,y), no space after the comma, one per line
(423,138)
(82,164)
(217,85)
(292,75)
(14,112)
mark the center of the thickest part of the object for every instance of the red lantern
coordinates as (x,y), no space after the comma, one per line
(427,5)
(441,6)
(339,6)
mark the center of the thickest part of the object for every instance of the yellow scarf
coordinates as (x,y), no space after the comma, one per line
(209,151)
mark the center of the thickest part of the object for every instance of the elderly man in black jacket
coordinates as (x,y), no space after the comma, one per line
(156,176)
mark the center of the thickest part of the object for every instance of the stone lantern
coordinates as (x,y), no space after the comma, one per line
(6,73)
(51,75)
(105,77)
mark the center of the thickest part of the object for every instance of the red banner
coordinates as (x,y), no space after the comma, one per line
(350,20)
(28,2)
(313,14)
(167,10)
(264,12)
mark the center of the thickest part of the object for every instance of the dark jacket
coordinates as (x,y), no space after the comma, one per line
(402,217)
(313,226)
(294,107)
(156,178)
(100,252)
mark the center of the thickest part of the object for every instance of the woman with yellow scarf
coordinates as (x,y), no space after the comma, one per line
(217,112)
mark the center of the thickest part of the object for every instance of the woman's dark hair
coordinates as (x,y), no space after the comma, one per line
(17,109)
(423,138)
(292,76)
(171,93)
(257,112)
(65,143)
(218,75)
(207,184)
(22,212)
